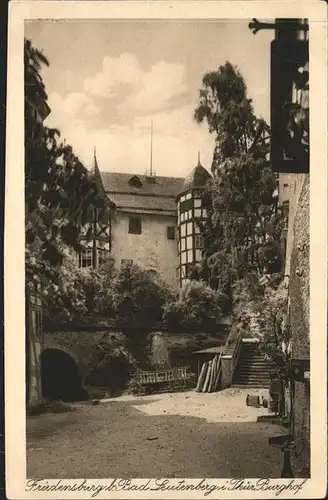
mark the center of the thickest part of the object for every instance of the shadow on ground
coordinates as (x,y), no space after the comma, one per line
(118,440)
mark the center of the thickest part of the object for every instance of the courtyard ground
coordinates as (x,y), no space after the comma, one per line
(185,434)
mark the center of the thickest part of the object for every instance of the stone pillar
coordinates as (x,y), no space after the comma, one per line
(160,357)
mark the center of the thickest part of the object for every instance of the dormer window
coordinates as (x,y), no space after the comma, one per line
(135,182)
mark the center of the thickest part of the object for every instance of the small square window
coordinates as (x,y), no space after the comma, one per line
(135,225)
(170,232)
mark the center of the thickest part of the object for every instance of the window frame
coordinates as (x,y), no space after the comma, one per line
(171,233)
(86,256)
(134,219)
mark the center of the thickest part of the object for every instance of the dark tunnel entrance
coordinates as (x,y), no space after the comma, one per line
(60,377)
(113,374)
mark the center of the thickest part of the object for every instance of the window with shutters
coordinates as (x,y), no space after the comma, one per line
(135,225)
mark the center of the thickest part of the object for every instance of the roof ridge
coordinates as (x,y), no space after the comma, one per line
(143,175)
(146,195)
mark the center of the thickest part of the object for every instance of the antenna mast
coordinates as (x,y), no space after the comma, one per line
(151,148)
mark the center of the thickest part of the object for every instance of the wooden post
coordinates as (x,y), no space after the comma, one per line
(208,375)
(219,370)
(213,374)
(201,377)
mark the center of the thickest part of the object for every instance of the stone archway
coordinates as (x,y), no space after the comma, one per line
(60,376)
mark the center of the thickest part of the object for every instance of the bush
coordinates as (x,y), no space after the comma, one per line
(138,298)
(129,295)
(197,306)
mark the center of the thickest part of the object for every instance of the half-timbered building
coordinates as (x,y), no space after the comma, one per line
(149,220)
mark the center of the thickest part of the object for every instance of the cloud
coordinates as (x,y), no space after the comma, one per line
(148,91)
(126,148)
(115,72)
(74,106)
(176,122)
(159,87)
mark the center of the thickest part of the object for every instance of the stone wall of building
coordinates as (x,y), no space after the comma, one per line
(297,271)
(151,249)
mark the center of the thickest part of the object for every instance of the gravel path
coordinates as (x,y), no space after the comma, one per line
(168,435)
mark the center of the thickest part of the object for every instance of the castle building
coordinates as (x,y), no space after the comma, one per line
(148,220)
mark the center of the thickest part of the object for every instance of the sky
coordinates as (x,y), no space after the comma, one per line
(108,79)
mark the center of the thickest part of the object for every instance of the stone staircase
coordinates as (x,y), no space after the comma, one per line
(252,369)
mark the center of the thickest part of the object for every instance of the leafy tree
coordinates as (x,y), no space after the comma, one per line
(137,297)
(64,298)
(197,306)
(58,188)
(224,105)
(97,286)
(242,231)
(59,193)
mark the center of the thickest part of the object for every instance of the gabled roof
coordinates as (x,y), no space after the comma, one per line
(146,203)
(115,182)
(134,192)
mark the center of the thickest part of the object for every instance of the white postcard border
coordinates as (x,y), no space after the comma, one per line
(14,230)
